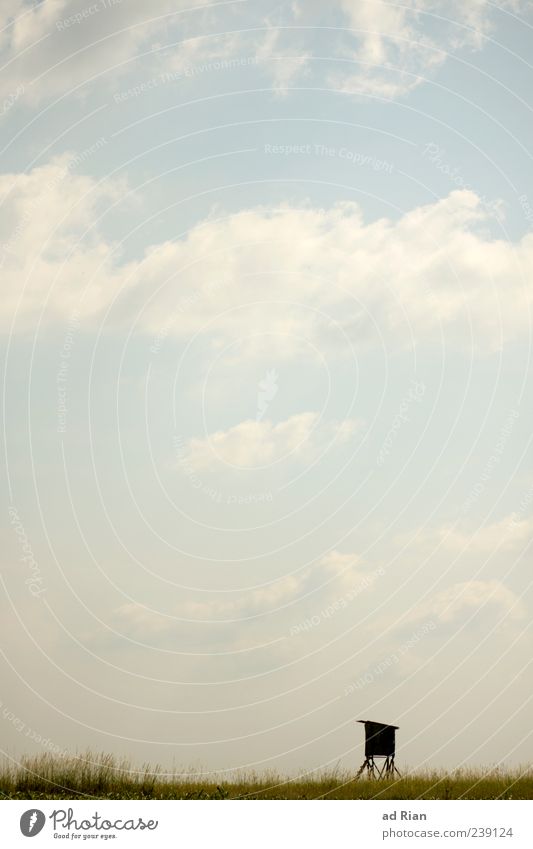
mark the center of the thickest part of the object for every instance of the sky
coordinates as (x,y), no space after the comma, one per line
(265,327)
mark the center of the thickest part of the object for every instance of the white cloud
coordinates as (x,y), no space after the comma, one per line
(388,48)
(284,62)
(329,578)
(343,570)
(395,47)
(463,600)
(506,535)
(55,45)
(44,262)
(325,274)
(319,265)
(252,444)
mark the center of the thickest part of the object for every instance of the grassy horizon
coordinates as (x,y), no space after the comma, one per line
(103,776)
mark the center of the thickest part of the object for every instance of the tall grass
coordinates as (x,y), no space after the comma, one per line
(103,776)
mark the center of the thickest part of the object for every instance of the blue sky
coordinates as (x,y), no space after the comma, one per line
(266,336)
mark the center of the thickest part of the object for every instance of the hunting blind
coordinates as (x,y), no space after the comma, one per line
(380,742)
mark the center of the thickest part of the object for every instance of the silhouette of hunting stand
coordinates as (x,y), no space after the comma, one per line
(380,742)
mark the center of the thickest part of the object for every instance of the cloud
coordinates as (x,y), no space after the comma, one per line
(306,275)
(283,61)
(464,599)
(385,49)
(253,444)
(388,49)
(508,534)
(376,47)
(49,249)
(392,48)
(343,570)
(54,46)
(329,578)
(325,276)
(286,61)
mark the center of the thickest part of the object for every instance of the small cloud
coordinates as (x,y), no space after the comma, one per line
(463,599)
(507,534)
(328,578)
(258,443)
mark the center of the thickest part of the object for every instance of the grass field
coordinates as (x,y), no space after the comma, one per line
(105,777)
